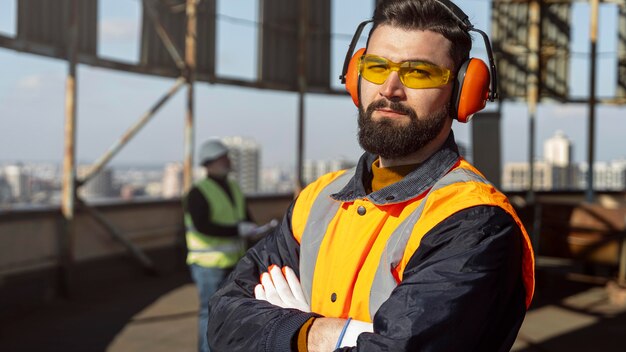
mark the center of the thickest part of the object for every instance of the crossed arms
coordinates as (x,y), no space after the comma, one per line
(460,291)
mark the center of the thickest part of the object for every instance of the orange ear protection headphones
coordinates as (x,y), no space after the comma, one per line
(471,85)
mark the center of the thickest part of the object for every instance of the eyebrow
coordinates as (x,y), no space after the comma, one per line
(424,61)
(413,60)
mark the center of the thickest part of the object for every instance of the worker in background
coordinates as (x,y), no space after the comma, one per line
(411,250)
(217,221)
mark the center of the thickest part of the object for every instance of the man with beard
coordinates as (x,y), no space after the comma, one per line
(411,250)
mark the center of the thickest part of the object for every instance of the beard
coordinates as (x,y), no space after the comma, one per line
(390,140)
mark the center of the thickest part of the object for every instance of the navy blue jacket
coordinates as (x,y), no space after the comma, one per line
(461,291)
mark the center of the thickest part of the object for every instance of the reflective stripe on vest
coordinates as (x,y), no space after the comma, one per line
(384,281)
(214,251)
(324,210)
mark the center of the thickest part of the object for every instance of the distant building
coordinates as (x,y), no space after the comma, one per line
(245,155)
(515,176)
(154,189)
(17,178)
(607,176)
(557,150)
(100,186)
(277,180)
(313,169)
(172,180)
(555,173)
(6,194)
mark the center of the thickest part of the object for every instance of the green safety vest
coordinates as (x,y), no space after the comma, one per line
(213,251)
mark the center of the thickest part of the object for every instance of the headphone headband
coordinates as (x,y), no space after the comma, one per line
(457,13)
(353,42)
(493,94)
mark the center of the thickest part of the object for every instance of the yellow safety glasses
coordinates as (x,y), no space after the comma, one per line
(413,74)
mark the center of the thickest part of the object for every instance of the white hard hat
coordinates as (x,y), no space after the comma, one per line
(211,150)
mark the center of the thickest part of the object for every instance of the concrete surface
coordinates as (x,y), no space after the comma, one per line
(569,314)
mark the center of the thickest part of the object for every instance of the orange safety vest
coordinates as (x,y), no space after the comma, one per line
(353,254)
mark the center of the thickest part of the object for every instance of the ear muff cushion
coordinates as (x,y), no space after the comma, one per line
(473,90)
(352,76)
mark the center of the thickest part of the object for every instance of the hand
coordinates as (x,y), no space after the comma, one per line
(281,288)
(246,229)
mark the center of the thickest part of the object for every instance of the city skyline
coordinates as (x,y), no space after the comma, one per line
(32,96)
(39,184)
(556,171)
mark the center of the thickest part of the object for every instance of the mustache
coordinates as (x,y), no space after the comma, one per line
(393,105)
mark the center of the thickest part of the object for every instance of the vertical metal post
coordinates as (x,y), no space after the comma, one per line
(591,130)
(68,205)
(302,87)
(621,276)
(190,68)
(621,49)
(534,47)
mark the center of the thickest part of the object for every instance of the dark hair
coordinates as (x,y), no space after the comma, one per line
(426,15)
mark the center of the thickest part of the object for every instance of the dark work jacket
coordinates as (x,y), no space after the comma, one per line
(461,291)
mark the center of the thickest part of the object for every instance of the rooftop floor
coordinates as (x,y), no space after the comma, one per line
(159,314)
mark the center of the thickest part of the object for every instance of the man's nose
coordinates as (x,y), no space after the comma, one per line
(392,88)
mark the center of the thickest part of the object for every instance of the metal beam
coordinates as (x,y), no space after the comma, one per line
(68,206)
(130,133)
(302,87)
(591,129)
(135,251)
(44,50)
(534,66)
(190,62)
(165,37)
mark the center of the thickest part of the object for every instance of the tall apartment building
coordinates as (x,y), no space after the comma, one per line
(100,186)
(172,186)
(313,169)
(6,193)
(17,178)
(557,150)
(245,155)
(555,172)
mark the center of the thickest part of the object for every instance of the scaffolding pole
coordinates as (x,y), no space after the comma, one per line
(134,250)
(302,87)
(534,66)
(591,130)
(68,205)
(186,77)
(190,63)
(165,37)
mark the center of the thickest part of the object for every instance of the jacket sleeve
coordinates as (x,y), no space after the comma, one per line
(461,290)
(238,321)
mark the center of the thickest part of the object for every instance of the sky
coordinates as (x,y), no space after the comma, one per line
(32,95)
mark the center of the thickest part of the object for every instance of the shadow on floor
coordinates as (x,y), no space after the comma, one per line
(91,321)
(580,308)
(567,315)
